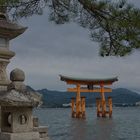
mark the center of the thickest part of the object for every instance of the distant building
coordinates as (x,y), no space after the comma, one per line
(66,105)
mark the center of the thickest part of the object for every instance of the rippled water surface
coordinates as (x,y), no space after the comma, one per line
(125,124)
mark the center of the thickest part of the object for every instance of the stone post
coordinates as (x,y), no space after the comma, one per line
(8,31)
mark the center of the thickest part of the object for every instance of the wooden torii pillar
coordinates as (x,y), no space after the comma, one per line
(78,104)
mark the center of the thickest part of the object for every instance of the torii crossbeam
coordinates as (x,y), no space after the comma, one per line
(88,85)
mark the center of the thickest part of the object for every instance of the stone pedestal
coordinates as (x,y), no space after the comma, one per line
(17,119)
(8,31)
(17,103)
(21,136)
(43,132)
(5,56)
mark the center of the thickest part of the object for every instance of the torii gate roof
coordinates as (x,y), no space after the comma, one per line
(88,81)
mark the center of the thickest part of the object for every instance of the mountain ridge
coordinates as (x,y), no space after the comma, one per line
(54,98)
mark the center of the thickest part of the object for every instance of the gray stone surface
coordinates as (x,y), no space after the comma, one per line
(16,121)
(47,138)
(5,56)
(16,98)
(17,75)
(20,136)
(17,94)
(8,31)
(43,131)
(35,121)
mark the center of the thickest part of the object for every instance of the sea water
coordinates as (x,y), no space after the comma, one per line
(124,125)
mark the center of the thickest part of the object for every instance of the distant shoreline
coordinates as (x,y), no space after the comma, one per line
(123,105)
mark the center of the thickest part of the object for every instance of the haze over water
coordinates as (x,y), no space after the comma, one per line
(124,125)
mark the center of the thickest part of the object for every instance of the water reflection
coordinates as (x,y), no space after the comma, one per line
(123,126)
(100,129)
(104,128)
(78,129)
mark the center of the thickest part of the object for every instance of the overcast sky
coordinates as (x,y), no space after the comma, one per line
(45,50)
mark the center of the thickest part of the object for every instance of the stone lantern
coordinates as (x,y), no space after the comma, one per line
(8,31)
(17,104)
(16,101)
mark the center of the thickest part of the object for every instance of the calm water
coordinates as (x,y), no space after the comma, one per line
(125,124)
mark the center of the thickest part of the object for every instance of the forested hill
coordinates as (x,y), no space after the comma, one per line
(57,98)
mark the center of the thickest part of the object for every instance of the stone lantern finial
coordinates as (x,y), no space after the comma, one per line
(17,77)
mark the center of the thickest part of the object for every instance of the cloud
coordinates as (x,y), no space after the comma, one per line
(46,50)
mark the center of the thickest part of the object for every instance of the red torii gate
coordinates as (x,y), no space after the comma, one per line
(87,85)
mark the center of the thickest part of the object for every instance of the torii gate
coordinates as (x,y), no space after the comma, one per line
(87,85)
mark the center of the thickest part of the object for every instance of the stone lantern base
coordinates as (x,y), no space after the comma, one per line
(38,133)
(20,136)
(19,124)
